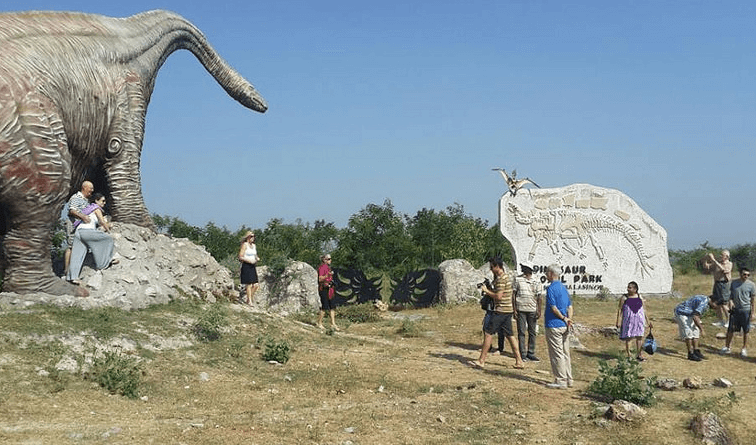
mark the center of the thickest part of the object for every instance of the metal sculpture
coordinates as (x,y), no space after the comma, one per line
(74,90)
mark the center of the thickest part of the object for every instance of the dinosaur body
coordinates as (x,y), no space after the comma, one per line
(74,91)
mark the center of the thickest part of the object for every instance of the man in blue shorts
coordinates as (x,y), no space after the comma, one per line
(742,294)
(501,316)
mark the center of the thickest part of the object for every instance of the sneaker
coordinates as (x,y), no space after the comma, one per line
(533,358)
(697,352)
(743,353)
(725,350)
(693,357)
(726,325)
(556,386)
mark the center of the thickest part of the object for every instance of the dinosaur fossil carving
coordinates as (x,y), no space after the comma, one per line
(556,227)
(74,90)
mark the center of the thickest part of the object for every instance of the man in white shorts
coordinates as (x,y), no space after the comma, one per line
(688,316)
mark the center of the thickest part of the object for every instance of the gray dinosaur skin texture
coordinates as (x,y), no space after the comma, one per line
(74,90)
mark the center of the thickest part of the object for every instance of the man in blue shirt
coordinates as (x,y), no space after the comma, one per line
(557,316)
(688,316)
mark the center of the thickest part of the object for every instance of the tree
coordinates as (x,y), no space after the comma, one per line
(376,239)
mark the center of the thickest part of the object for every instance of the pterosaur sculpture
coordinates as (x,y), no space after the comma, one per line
(74,90)
(513,183)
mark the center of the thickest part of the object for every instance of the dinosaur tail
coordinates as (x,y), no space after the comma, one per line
(162,32)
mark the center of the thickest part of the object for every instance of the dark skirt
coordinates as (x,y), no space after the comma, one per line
(248,274)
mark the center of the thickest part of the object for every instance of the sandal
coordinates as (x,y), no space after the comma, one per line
(640,359)
(520,366)
(476,364)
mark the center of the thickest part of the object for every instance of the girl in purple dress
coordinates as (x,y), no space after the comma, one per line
(633,318)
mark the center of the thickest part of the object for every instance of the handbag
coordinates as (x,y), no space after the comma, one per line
(649,344)
(486,303)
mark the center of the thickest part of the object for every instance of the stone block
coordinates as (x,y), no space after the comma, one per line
(600,237)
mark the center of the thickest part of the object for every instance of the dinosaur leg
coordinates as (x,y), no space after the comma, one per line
(121,167)
(35,175)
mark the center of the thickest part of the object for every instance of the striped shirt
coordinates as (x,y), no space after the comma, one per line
(527,291)
(503,283)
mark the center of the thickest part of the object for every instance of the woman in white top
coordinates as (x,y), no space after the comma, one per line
(248,257)
(88,238)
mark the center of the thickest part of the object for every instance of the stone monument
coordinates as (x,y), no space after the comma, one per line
(599,236)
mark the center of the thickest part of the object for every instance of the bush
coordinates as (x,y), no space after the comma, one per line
(603,294)
(358,313)
(277,351)
(208,326)
(624,382)
(117,373)
(409,328)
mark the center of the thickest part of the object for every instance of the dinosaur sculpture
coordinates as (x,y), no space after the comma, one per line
(513,183)
(74,90)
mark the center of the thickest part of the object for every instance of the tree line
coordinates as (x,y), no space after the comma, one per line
(380,240)
(376,240)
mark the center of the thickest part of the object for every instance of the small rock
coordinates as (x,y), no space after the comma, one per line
(625,411)
(667,384)
(381,388)
(441,419)
(204,376)
(287,378)
(349,429)
(710,429)
(721,335)
(693,383)
(722,382)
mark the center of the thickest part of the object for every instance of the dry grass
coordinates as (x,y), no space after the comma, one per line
(369,384)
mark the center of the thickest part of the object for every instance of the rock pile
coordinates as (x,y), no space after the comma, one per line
(152,269)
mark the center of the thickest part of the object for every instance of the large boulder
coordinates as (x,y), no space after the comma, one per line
(152,269)
(600,237)
(459,280)
(294,290)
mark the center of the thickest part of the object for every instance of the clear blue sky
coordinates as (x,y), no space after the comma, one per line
(416,101)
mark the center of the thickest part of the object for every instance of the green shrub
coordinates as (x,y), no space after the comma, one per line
(208,326)
(718,405)
(277,351)
(409,328)
(603,294)
(117,373)
(358,313)
(624,382)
